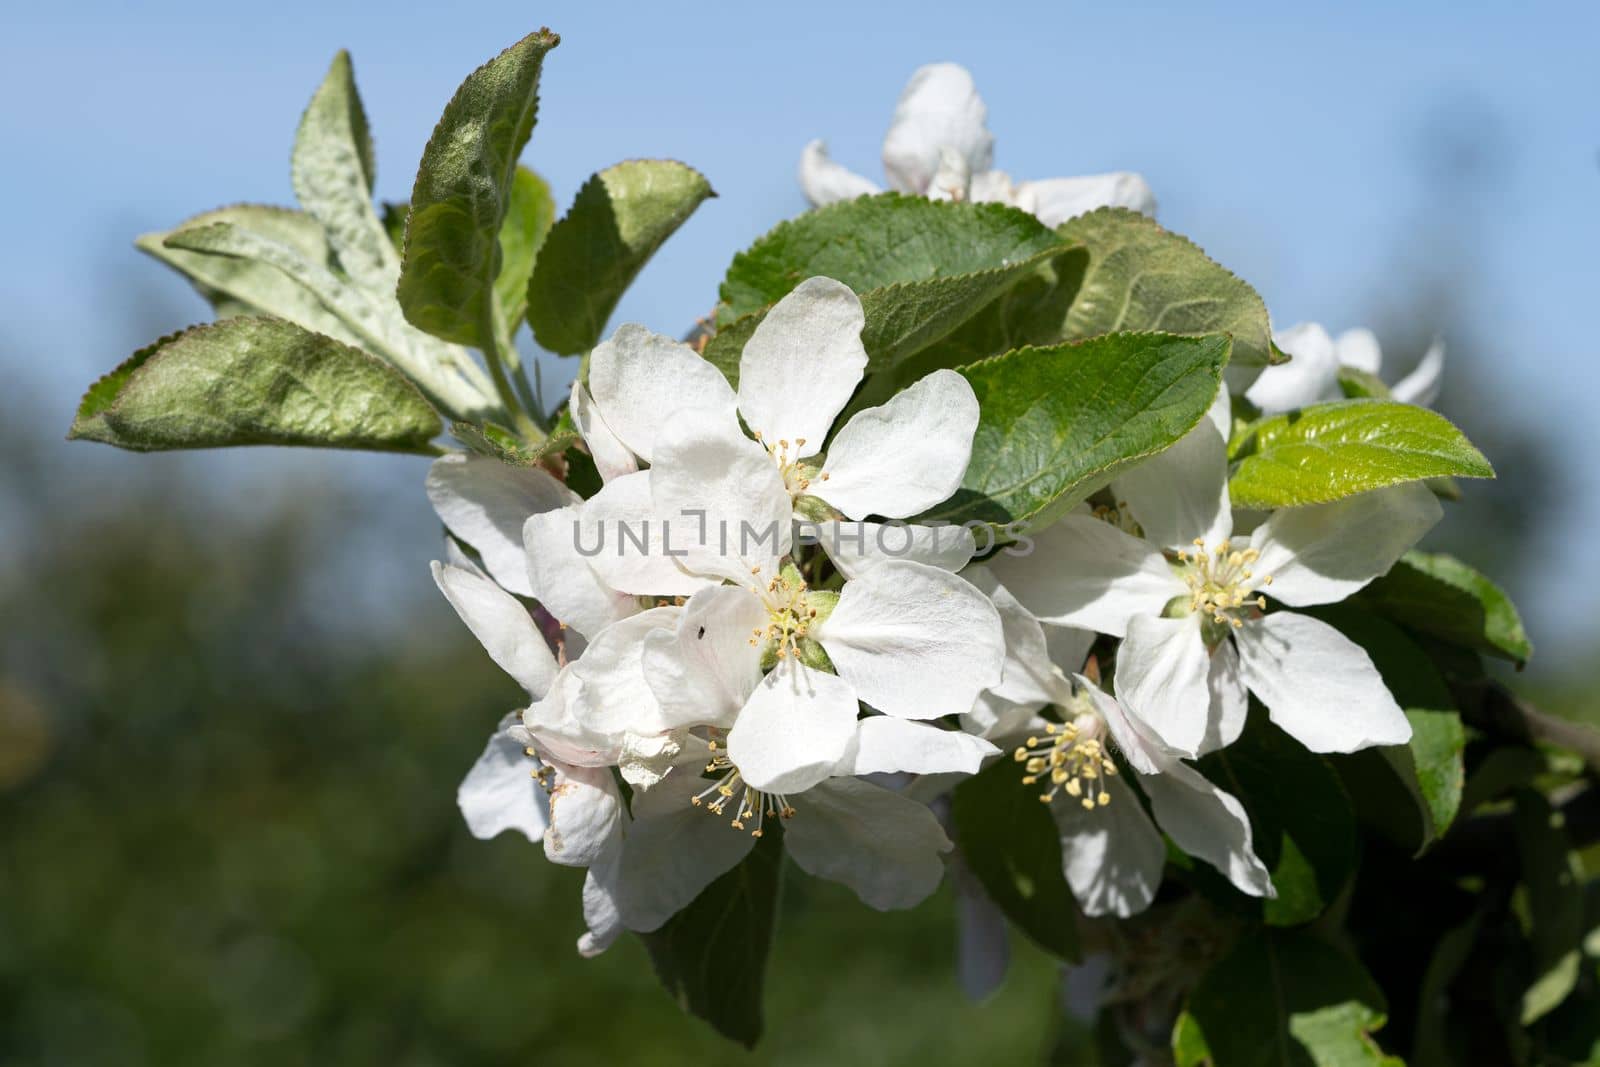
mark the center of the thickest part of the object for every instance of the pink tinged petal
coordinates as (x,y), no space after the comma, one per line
(613,698)
(1325,552)
(703,672)
(560,578)
(883,846)
(729,510)
(904,456)
(1055,200)
(1358,348)
(795,728)
(503,626)
(611,457)
(856,547)
(1162,671)
(914,641)
(1318,685)
(556,732)
(630,545)
(1230,700)
(1087,573)
(499,793)
(886,745)
(641,380)
(585,816)
(1310,377)
(1182,494)
(800,366)
(1111,856)
(826,182)
(672,851)
(1422,385)
(939,108)
(1208,823)
(485,502)
(983,946)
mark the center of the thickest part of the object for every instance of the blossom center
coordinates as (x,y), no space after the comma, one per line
(1221,583)
(730,793)
(1070,758)
(790,615)
(786,454)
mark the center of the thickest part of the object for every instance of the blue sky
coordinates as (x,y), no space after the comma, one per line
(1289,144)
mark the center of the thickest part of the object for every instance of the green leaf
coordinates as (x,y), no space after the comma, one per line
(1553,878)
(332,170)
(712,955)
(1429,768)
(491,439)
(1438,1041)
(1057,423)
(236,285)
(1011,844)
(1142,277)
(462,194)
(620,217)
(1357,384)
(255,381)
(530,213)
(1302,824)
(1346,447)
(1439,595)
(1283,998)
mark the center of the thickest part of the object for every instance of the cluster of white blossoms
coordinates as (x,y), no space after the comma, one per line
(724,639)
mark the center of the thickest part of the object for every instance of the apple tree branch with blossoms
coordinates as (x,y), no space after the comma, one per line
(987,530)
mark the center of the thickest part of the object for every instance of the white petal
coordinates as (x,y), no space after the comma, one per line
(914,641)
(904,456)
(723,495)
(631,546)
(1310,376)
(1421,386)
(1087,573)
(703,672)
(992,187)
(878,843)
(886,745)
(642,380)
(1069,646)
(794,729)
(672,851)
(1112,856)
(983,946)
(485,502)
(939,108)
(825,182)
(1162,670)
(1325,552)
(1134,738)
(1358,348)
(611,457)
(613,699)
(951,179)
(1318,685)
(1055,200)
(1182,493)
(600,908)
(585,816)
(648,758)
(562,580)
(1028,676)
(500,793)
(1230,700)
(1209,824)
(502,625)
(801,365)
(856,547)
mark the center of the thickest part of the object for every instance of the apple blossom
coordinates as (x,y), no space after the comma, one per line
(1312,374)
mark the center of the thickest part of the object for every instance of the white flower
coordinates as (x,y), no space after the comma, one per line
(1312,375)
(938,146)
(1112,853)
(1189,603)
